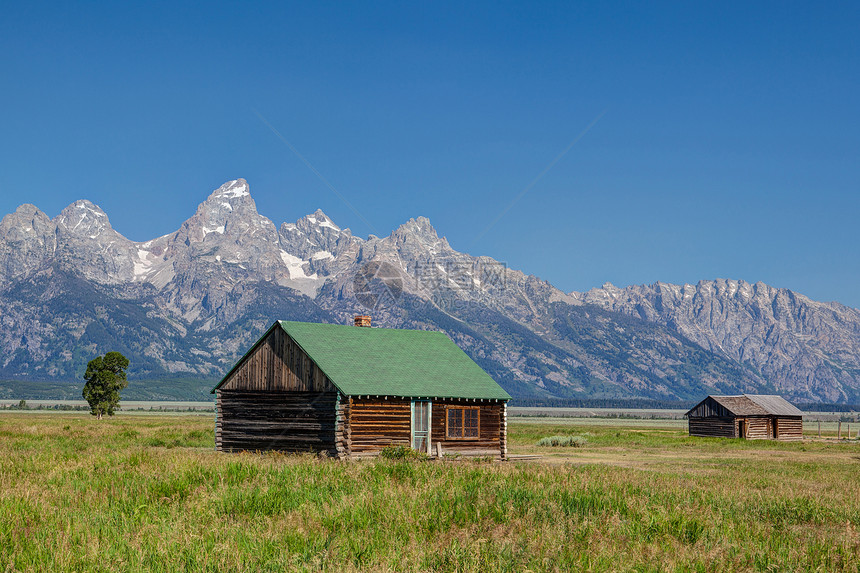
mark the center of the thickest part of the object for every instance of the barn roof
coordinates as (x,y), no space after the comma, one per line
(392,362)
(776,405)
(754,405)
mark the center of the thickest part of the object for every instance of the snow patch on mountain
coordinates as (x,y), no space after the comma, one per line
(295,266)
(219,230)
(142,265)
(321,255)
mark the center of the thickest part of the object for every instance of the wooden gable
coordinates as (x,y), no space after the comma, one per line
(277,364)
(709,408)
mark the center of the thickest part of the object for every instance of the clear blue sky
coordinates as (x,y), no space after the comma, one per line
(728,146)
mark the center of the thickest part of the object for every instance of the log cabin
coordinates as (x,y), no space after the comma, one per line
(749,416)
(350,391)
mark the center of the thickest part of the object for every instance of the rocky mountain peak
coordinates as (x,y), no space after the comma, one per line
(27,220)
(232,201)
(83,219)
(27,239)
(315,237)
(235,189)
(418,234)
(228,213)
(322,221)
(418,226)
(87,243)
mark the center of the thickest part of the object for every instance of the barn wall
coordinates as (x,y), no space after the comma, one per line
(374,423)
(759,428)
(789,428)
(713,427)
(277,363)
(284,421)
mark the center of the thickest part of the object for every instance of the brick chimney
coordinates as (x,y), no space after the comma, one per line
(362,320)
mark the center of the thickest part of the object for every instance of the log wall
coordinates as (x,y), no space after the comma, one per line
(789,429)
(277,363)
(374,423)
(488,442)
(283,421)
(757,427)
(713,427)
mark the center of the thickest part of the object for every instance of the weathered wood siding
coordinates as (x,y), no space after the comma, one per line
(284,421)
(756,427)
(277,363)
(713,427)
(489,441)
(710,408)
(789,428)
(374,423)
(276,399)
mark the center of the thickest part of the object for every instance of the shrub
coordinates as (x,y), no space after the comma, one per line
(401,453)
(563,441)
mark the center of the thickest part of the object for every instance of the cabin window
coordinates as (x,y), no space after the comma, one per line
(463,422)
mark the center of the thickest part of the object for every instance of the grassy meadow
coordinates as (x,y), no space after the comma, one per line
(135,492)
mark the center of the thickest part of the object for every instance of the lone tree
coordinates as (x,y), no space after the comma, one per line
(105,377)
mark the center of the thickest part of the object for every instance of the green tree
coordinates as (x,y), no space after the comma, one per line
(105,377)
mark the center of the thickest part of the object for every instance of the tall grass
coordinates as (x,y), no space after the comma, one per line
(143,493)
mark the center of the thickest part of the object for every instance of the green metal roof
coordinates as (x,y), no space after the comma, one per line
(392,362)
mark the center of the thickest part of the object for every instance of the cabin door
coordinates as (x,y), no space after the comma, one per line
(742,428)
(421,425)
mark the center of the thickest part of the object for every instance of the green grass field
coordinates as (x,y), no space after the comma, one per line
(135,493)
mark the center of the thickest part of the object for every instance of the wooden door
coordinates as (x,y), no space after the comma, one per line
(742,428)
(421,410)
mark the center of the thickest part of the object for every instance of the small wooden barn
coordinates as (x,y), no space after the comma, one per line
(350,391)
(750,416)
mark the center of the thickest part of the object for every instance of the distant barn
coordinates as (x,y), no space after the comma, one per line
(350,391)
(750,416)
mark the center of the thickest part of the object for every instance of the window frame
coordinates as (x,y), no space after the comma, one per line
(448,435)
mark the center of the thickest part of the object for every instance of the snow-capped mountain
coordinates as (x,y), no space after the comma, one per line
(186,304)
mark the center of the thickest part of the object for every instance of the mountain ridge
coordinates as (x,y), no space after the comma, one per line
(187,304)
